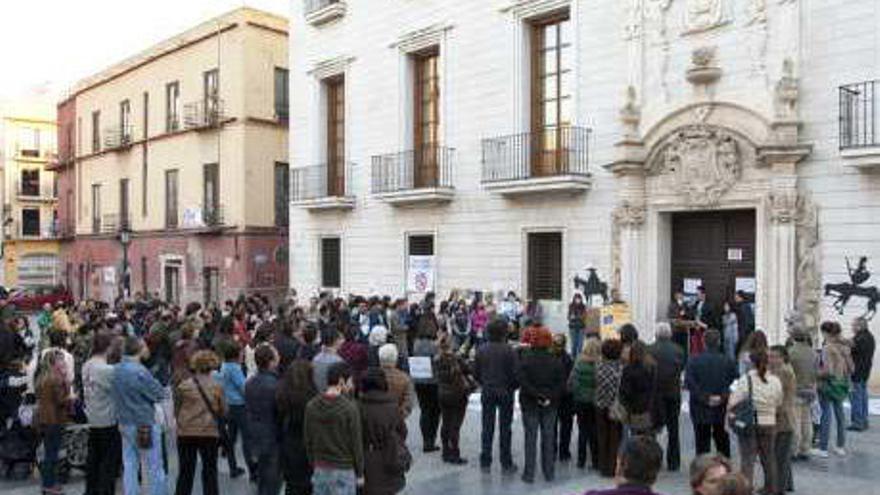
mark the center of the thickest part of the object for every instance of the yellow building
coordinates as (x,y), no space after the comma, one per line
(30,234)
(184,148)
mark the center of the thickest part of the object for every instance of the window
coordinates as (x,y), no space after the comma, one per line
(282,93)
(211,194)
(426,116)
(282,194)
(30,222)
(29,142)
(30,183)
(331,263)
(171,199)
(125,122)
(144,285)
(146,114)
(124,219)
(96,208)
(211,284)
(211,97)
(172,106)
(551,113)
(96,131)
(545,265)
(171,274)
(335,136)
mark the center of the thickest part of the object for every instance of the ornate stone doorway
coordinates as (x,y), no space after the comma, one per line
(713,156)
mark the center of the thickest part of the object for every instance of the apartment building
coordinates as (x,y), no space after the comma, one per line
(174,176)
(29,189)
(668,144)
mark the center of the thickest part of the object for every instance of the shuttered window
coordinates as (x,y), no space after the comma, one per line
(331,263)
(545,265)
(421,245)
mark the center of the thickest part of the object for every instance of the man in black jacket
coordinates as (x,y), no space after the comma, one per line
(708,378)
(495,370)
(262,415)
(669,359)
(863,357)
(541,378)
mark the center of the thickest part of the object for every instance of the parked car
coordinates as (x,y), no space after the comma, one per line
(33,298)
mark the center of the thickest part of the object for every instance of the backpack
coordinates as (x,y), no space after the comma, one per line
(745,417)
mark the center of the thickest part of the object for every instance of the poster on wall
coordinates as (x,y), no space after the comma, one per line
(613,316)
(746,284)
(420,274)
(691,285)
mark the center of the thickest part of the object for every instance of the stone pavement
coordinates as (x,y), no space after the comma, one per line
(858,473)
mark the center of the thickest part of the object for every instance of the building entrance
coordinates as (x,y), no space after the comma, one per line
(715,249)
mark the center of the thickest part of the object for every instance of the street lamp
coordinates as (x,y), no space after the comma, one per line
(125,240)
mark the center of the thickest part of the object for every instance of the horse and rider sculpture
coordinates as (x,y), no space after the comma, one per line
(843,292)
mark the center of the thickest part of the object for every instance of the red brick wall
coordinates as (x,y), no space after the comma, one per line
(246,263)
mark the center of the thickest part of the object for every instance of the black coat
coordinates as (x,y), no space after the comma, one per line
(710,373)
(670,363)
(384,440)
(495,369)
(541,375)
(637,388)
(262,411)
(294,462)
(863,355)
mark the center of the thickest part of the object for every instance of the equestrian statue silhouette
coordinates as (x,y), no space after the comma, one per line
(843,292)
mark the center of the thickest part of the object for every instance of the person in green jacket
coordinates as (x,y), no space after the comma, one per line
(582,384)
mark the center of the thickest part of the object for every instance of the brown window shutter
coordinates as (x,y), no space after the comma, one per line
(545,265)
(331,269)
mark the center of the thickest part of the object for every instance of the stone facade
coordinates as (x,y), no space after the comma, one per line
(692,104)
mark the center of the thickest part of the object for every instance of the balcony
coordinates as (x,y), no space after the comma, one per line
(282,114)
(30,191)
(213,218)
(323,11)
(859,120)
(322,187)
(66,229)
(414,176)
(113,223)
(35,231)
(204,114)
(555,160)
(118,138)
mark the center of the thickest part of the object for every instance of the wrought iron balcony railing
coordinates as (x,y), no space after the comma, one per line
(35,192)
(118,137)
(859,115)
(552,152)
(203,114)
(320,181)
(429,167)
(112,223)
(212,216)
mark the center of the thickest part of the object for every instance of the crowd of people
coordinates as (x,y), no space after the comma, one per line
(318,394)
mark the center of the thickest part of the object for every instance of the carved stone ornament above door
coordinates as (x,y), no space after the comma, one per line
(705,162)
(703,15)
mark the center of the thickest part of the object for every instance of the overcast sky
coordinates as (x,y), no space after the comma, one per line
(53,43)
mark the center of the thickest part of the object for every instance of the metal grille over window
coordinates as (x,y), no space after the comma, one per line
(545,265)
(859,115)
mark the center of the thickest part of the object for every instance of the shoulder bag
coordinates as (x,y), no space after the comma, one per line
(745,417)
(220,420)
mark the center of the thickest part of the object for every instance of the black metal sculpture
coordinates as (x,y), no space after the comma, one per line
(592,286)
(843,292)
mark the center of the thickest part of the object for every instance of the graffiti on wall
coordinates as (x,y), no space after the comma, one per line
(842,293)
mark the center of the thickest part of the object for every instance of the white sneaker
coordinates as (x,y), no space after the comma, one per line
(821,454)
(839,451)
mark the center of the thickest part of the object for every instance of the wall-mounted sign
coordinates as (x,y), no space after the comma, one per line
(746,284)
(734,254)
(420,274)
(691,285)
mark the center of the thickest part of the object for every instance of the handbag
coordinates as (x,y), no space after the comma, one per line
(220,420)
(835,388)
(744,414)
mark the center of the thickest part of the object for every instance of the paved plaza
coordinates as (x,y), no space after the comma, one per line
(858,473)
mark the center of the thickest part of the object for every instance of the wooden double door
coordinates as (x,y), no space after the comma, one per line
(716,248)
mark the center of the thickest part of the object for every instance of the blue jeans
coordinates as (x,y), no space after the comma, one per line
(52,435)
(576,338)
(859,400)
(154,472)
(539,420)
(827,405)
(328,481)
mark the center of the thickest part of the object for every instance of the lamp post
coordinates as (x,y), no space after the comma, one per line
(125,240)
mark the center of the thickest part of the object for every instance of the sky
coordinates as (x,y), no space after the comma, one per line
(47,45)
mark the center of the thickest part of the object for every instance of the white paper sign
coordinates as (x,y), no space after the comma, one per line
(746,285)
(420,368)
(734,254)
(691,285)
(420,274)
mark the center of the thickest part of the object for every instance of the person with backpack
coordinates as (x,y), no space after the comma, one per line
(835,369)
(753,408)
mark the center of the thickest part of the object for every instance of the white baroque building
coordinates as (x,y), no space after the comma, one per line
(508,144)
